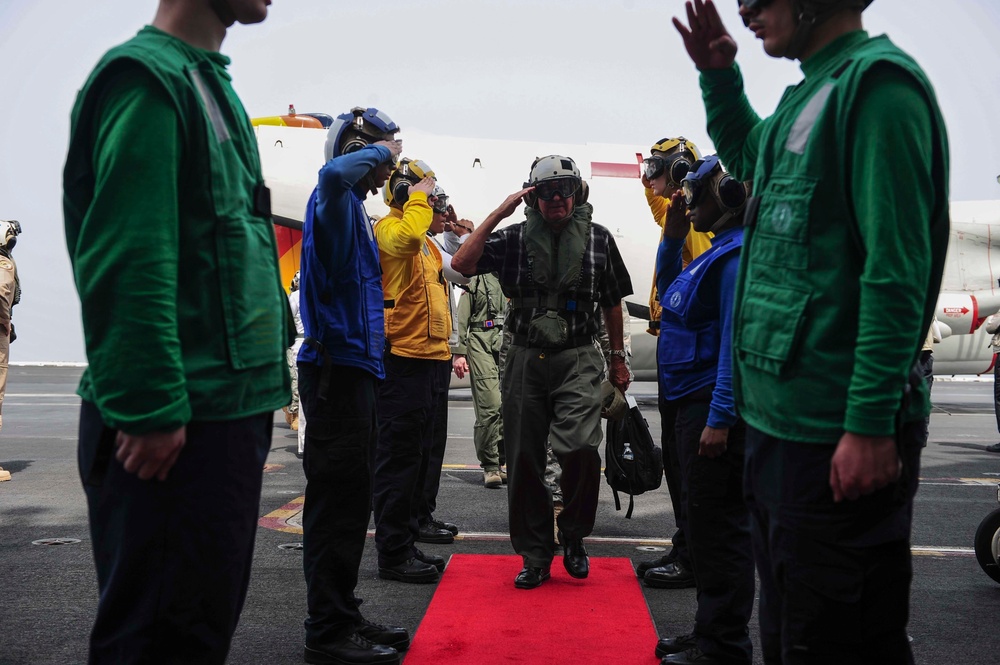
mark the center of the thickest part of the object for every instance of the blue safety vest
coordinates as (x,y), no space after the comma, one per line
(688,345)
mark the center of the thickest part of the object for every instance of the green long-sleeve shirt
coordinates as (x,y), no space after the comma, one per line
(841,271)
(183,311)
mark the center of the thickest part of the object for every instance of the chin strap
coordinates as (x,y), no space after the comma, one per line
(806,21)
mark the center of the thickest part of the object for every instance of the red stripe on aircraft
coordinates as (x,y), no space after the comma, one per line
(975,314)
(614,170)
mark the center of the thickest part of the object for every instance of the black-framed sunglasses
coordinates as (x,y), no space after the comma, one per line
(754,5)
(564,187)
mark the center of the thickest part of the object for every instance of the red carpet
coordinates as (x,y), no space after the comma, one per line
(477,617)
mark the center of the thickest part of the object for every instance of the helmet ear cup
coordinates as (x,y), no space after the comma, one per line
(583,193)
(353,145)
(401,191)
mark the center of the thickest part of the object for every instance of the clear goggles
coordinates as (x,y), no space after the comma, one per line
(440,204)
(675,166)
(729,191)
(564,187)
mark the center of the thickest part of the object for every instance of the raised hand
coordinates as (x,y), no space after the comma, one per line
(707,41)
(426,186)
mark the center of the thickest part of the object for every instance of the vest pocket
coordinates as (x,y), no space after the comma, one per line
(678,349)
(782,228)
(438,316)
(251,307)
(771,319)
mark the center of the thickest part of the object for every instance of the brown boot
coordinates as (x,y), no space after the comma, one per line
(295,422)
(556,509)
(288,416)
(4,474)
(492,480)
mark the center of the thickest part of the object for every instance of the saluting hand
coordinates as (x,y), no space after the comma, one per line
(426,186)
(395,147)
(511,203)
(677,224)
(152,454)
(707,41)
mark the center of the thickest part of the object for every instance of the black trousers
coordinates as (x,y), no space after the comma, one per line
(835,577)
(672,472)
(718,531)
(338,460)
(435,461)
(407,403)
(173,557)
(996,389)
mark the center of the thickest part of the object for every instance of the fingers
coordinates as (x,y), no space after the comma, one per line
(838,494)
(681,28)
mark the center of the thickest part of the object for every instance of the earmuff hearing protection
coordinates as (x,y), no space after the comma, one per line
(401,184)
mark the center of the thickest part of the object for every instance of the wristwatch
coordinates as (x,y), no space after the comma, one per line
(618,352)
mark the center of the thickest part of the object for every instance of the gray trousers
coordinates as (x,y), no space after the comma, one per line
(551,395)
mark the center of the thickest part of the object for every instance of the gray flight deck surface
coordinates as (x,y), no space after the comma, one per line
(48,593)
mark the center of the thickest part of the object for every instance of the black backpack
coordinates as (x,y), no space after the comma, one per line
(633,464)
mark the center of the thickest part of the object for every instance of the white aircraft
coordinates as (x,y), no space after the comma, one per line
(479,174)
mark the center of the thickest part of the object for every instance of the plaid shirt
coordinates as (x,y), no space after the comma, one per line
(602,275)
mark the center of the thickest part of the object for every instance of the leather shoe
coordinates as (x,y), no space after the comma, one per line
(412,570)
(669,645)
(995,448)
(447,526)
(387,636)
(693,656)
(671,576)
(433,559)
(351,650)
(640,570)
(531,577)
(575,557)
(428,533)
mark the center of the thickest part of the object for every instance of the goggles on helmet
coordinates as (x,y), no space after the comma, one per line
(440,204)
(728,191)
(676,167)
(564,187)
(754,5)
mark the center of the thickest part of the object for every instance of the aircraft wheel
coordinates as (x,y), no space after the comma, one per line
(988,544)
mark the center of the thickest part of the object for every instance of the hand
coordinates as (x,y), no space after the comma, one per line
(426,186)
(707,42)
(149,455)
(863,464)
(713,441)
(395,147)
(511,203)
(449,216)
(677,225)
(645,181)
(461,366)
(618,374)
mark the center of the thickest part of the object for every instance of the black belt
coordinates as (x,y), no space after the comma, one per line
(491,324)
(571,343)
(654,325)
(388,304)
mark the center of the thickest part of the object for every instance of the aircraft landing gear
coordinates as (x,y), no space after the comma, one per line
(988,543)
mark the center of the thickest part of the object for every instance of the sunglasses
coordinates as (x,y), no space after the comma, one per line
(676,166)
(564,187)
(754,5)
(729,191)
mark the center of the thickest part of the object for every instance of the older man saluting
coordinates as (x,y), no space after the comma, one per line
(557,267)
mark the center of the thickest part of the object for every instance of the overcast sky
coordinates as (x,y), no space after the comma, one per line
(568,71)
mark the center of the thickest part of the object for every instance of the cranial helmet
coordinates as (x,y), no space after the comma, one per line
(808,14)
(408,172)
(9,230)
(353,131)
(555,169)
(440,204)
(707,175)
(673,155)
(294,286)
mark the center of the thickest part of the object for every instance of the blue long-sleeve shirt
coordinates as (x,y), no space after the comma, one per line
(341,300)
(714,303)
